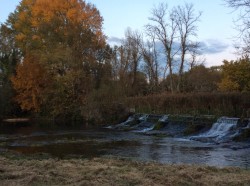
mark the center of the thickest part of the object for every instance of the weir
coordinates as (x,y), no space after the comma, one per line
(223,130)
(227,120)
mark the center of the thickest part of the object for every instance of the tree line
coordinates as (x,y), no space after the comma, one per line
(55,60)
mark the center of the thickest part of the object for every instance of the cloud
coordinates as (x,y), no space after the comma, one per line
(115,40)
(212,46)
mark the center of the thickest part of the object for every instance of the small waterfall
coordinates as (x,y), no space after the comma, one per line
(145,129)
(130,119)
(144,117)
(164,118)
(124,124)
(223,129)
(248,125)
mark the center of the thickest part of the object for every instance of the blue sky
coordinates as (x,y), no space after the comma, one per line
(215,29)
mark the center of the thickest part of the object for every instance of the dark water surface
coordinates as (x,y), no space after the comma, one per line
(67,141)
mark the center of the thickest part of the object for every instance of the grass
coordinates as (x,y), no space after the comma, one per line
(113,171)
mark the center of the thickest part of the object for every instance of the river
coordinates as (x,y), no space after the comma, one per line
(79,141)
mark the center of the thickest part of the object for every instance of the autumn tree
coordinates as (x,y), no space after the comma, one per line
(236,76)
(66,38)
(30,82)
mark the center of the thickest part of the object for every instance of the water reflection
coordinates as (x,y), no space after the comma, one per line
(93,142)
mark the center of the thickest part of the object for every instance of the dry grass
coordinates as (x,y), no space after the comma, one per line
(106,171)
(228,104)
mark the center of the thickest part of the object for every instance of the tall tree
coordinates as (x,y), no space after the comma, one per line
(132,43)
(151,63)
(9,57)
(164,27)
(122,63)
(186,20)
(65,37)
(175,29)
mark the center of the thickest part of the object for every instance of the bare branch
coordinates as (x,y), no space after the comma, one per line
(242,24)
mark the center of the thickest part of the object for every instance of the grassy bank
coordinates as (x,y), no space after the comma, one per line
(107,171)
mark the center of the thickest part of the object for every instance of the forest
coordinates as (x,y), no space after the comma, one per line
(56,62)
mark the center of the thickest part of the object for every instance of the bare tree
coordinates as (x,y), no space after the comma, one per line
(186,20)
(174,29)
(238,3)
(242,24)
(132,43)
(125,61)
(150,56)
(164,27)
(123,64)
(195,56)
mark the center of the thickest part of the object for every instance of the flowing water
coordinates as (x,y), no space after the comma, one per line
(62,142)
(223,130)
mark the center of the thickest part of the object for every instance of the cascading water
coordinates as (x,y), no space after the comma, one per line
(126,123)
(224,129)
(144,125)
(248,125)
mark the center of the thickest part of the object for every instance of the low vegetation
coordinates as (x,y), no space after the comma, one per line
(109,171)
(195,104)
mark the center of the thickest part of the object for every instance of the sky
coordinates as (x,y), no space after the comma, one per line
(215,29)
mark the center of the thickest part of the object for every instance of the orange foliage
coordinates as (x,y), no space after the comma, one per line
(64,35)
(30,83)
(70,21)
(67,16)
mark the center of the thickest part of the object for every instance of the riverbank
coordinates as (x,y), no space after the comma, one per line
(113,171)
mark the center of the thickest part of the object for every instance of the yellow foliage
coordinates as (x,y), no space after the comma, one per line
(20,37)
(236,76)
(228,85)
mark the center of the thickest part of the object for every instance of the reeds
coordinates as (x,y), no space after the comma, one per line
(219,104)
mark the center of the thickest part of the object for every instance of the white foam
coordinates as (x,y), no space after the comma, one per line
(164,118)
(224,127)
